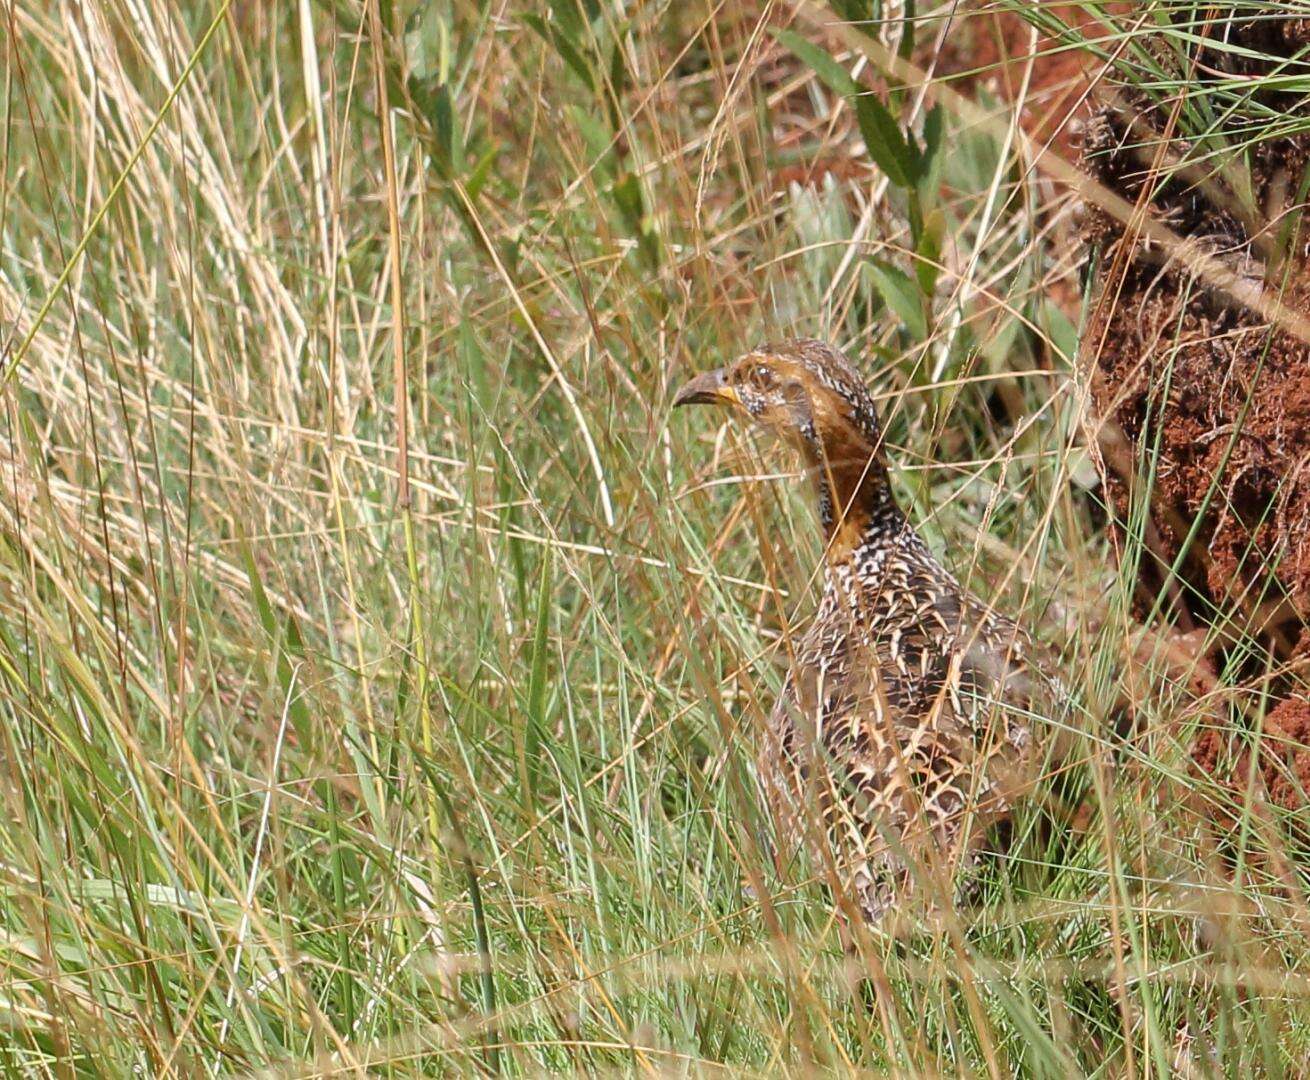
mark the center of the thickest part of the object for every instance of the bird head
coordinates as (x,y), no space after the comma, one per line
(805,390)
(808,392)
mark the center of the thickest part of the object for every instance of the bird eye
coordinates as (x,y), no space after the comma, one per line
(762,376)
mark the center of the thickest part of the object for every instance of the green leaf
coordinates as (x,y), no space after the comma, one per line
(628,197)
(477,176)
(556,36)
(928,160)
(882,135)
(618,69)
(1060,332)
(886,145)
(932,131)
(901,295)
(427,44)
(631,201)
(443,124)
(599,140)
(433,100)
(927,267)
(837,77)
(853,11)
(908,23)
(573,18)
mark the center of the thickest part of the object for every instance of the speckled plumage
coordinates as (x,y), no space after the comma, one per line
(904,728)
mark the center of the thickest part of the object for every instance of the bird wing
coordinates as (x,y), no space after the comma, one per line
(894,741)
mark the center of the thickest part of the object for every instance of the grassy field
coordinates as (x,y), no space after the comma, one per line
(381,663)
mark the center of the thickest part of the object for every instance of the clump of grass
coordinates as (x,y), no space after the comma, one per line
(308,773)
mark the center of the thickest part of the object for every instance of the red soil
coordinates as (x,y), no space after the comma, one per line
(992,49)
(1284,756)
(1205,389)
(1226,396)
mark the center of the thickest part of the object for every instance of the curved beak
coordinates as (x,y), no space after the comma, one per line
(707,388)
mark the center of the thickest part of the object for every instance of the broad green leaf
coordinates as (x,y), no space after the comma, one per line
(902,295)
(477,176)
(427,44)
(832,73)
(908,22)
(599,139)
(882,135)
(886,145)
(556,36)
(928,160)
(854,11)
(1060,332)
(442,118)
(927,266)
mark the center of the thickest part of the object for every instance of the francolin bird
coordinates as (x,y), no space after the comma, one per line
(905,726)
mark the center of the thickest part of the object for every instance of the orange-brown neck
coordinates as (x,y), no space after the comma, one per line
(850,478)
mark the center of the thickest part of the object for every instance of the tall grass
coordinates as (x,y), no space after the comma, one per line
(381,662)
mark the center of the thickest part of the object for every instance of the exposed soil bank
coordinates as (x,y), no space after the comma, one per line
(1202,402)
(1224,395)
(997,52)
(1284,767)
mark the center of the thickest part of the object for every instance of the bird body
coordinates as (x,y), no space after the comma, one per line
(904,727)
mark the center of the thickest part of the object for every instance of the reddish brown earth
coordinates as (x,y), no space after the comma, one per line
(1219,395)
(1174,361)
(1287,747)
(1180,374)
(1199,367)
(1284,771)
(991,50)
(982,50)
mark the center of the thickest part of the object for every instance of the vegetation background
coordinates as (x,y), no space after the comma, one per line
(380,661)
